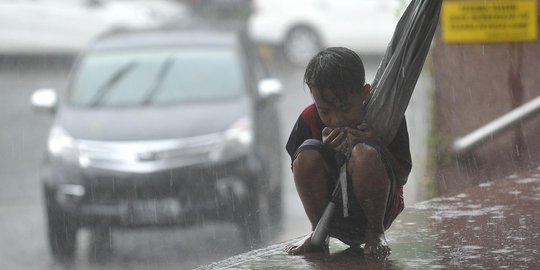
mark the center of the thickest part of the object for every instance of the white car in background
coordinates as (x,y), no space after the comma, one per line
(303,27)
(66,26)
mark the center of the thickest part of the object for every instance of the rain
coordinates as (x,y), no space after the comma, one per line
(105,164)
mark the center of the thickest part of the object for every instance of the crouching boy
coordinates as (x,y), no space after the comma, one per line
(331,132)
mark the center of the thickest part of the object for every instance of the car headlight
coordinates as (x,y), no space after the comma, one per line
(237,140)
(241,132)
(60,143)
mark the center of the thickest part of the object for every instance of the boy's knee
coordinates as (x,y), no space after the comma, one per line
(365,157)
(308,162)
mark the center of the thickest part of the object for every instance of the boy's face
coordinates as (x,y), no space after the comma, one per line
(335,113)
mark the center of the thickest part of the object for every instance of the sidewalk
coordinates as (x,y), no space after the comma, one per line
(495,225)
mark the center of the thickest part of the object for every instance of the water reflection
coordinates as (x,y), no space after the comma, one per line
(491,226)
(350,258)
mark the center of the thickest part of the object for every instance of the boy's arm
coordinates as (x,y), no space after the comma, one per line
(299,133)
(307,126)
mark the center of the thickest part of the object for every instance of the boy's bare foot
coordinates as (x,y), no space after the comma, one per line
(304,246)
(377,246)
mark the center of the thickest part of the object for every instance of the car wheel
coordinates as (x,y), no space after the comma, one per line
(62,230)
(276,208)
(276,195)
(301,45)
(101,244)
(254,219)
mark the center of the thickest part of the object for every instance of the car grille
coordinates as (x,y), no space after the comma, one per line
(148,156)
(189,184)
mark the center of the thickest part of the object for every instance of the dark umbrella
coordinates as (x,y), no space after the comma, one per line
(400,67)
(393,85)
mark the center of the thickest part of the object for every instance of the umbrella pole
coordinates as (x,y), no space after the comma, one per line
(320,234)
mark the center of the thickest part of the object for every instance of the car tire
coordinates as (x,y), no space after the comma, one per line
(254,219)
(62,230)
(276,208)
(275,202)
(301,44)
(101,244)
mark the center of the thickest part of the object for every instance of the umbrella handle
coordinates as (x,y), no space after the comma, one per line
(321,230)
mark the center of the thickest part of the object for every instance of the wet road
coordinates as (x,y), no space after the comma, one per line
(23,242)
(495,225)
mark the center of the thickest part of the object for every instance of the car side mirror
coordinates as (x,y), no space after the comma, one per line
(269,89)
(45,99)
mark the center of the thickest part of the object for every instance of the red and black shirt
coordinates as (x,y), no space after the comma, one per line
(310,126)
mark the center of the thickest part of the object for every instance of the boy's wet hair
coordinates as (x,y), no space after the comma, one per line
(337,69)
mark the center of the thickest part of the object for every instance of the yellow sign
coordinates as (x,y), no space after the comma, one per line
(489,21)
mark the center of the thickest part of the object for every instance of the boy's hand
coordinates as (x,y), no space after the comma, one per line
(361,133)
(335,138)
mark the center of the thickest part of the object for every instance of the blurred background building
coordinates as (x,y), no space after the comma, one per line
(486,57)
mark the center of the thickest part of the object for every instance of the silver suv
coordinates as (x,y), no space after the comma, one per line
(169,128)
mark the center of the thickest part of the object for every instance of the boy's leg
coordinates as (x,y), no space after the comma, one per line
(371,187)
(310,177)
(310,171)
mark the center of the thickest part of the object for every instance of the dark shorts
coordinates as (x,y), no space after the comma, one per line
(351,229)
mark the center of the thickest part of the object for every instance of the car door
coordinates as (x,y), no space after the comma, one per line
(47,26)
(75,22)
(364,25)
(18,20)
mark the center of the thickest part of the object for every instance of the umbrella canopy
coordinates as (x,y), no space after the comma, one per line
(401,66)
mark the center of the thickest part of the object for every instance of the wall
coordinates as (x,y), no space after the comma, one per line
(476,83)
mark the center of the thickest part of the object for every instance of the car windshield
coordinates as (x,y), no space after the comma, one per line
(156,77)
